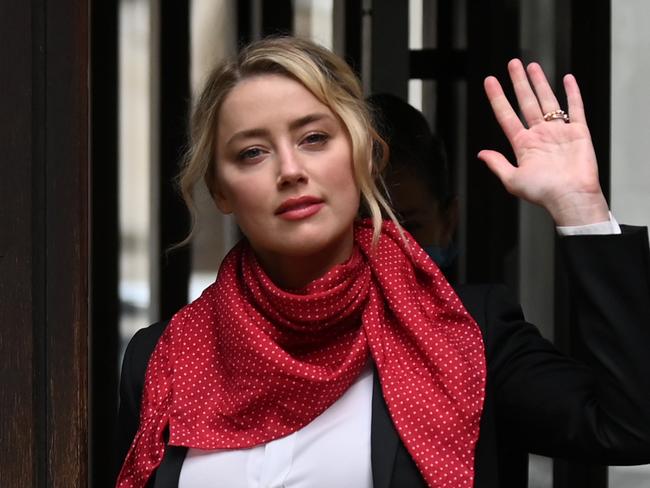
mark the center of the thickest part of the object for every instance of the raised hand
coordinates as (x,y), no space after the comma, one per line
(556,165)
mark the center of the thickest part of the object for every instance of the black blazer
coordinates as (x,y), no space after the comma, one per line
(537,400)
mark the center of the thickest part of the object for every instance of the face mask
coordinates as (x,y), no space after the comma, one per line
(444,258)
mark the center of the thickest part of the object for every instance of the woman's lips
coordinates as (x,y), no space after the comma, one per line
(299,208)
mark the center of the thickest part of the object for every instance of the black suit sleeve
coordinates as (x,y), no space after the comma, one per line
(595,410)
(134,366)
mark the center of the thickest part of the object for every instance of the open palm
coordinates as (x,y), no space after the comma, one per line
(556,165)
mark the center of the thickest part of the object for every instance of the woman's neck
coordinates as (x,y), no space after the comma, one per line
(296,271)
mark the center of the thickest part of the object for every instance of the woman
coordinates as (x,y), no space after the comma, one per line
(331,351)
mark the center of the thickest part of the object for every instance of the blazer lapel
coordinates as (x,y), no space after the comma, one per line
(169,471)
(383,438)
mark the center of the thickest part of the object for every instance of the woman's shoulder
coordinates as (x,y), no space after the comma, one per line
(139,350)
(497,313)
(481,300)
(144,340)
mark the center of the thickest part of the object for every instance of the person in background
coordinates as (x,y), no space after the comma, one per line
(417,178)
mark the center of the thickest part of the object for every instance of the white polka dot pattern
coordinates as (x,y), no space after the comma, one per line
(248,362)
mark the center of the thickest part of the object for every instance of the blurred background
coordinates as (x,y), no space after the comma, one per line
(135,67)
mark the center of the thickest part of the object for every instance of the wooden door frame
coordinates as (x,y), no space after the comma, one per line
(44,243)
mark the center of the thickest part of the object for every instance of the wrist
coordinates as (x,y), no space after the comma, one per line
(577,210)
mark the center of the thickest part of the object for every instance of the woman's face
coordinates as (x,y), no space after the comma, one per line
(284,169)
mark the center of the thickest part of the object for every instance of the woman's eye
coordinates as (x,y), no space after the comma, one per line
(249,154)
(315,139)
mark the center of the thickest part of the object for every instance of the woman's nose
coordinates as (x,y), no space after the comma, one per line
(290,168)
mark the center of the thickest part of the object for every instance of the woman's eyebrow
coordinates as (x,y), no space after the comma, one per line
(248,133)
(308,119)
(293,125)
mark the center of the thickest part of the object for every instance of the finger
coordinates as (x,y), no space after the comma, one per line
(499,165)
(505,115)
(525,95)
(545,95)
(576,107)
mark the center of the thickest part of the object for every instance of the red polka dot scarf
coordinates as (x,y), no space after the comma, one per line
(248,362)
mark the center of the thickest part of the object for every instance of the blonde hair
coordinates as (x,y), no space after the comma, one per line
(327,77)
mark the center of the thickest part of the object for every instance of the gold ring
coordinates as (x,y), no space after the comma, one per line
(557,115)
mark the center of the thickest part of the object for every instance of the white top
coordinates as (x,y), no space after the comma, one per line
(331,451)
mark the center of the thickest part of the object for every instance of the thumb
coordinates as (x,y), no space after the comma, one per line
(498,164)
